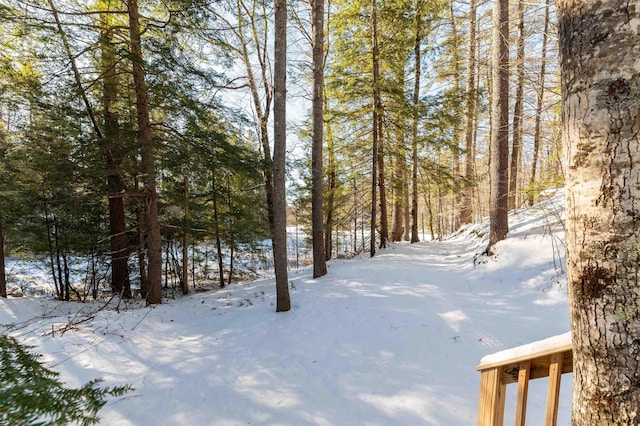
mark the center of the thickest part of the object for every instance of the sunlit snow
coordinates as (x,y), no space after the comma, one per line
(389,340)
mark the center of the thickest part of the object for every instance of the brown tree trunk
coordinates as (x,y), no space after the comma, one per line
(3,274)
(216,228)
(375,137)
(262,112)
(185,239)
(516,150)
(537,135)
(379,143)
(317,116)
(414,125)
(111,147)
(140,227)
(601,112)
(147,154)
(499,222)
(399,183)
(331,181)
(466,208)
(279,151)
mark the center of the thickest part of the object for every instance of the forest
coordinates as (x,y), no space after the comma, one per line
(136,135)
(154,150)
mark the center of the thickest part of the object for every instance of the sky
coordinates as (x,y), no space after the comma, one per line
(389,340)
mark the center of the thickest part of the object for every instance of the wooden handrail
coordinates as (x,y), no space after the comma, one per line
(551,358)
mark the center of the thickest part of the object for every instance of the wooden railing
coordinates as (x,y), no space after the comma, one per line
(546,358)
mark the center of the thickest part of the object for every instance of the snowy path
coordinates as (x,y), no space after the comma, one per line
(392,340)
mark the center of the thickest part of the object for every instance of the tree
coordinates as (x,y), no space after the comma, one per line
(466,209)
(537,134)
(499,224)
(601,112)
(516,150)
(377,110)
(317,116)
(279,151)
(147,155)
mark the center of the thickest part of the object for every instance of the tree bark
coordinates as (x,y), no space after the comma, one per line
(499,222)
(377,123)
(317,116)
(185,239)
(375,135)
(112,153)
(332,184)
(147,154)
(279,151)
(414,125)
(216,228)
(600,91)
(466,208)
(3,274)
(537,134)
(516,150)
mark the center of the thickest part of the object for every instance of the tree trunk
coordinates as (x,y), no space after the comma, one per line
(375,135)
(414,126)
(317,116)
(140,227)
(455,151)
(111,151)
(185,239)
(466,208)
(147,154)
(279,151)
(377,123)
(3,275)
(499,224)
(537,135)
(601,112)
(331,175)
(216,228)
(262,113)
(516,150)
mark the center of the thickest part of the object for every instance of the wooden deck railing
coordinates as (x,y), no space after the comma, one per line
(547,358)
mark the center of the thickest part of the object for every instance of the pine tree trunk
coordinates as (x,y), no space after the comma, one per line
(375,137)
(331,181)
(601,112)
(216,228)
(147,154)
(537,135)
(279,151)
(317,116)
(516,151)
(414,126)
(499,225)
(466,208)
(111,151)
(379,143)
(3,275)
(185,239)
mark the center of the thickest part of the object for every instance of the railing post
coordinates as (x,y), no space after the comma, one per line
(492,396)
(553,393)
(524,372)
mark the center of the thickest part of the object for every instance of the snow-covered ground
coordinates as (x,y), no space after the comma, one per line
(389,340)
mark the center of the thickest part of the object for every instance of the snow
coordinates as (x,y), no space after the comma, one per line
(389,340)
(526,351)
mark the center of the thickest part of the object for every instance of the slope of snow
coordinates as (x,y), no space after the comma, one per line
(389,340)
